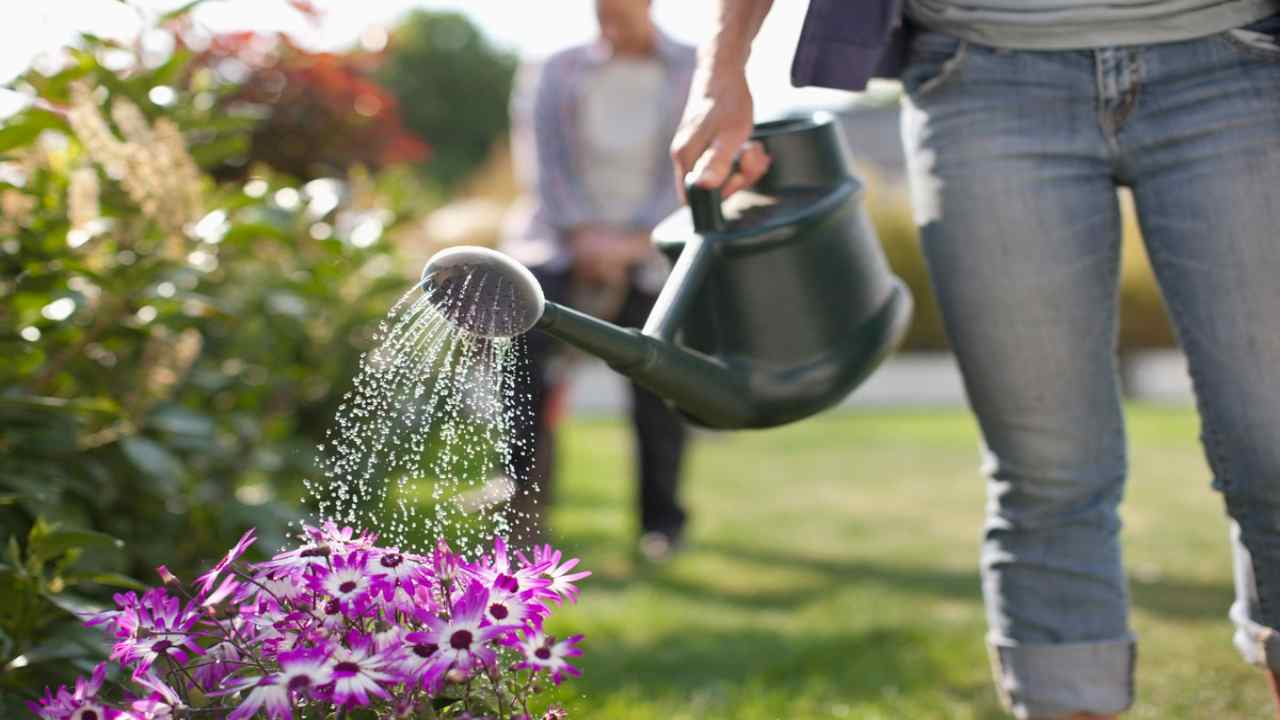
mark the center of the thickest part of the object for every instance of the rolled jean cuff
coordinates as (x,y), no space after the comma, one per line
(1258,644)
(1043,681)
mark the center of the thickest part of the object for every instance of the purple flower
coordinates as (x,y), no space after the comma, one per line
(300,672)
(395,577)
(461,642)
(81,704)
(206,581)
(506,606)
(340,623)
(562,582)
(151,628)
(346,582)
(220,661)
(359,673)
(542,652)
(490,569)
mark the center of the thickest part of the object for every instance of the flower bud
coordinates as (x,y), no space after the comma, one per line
(456,676)
(167,577)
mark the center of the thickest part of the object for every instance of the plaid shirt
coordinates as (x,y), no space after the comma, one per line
(546,144)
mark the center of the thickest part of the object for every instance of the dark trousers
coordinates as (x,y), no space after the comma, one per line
(660,433)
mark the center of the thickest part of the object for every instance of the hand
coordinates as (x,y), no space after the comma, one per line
(715,130)
(604,256)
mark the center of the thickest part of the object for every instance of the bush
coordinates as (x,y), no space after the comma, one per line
(315,114)
(436,56)
(174,347)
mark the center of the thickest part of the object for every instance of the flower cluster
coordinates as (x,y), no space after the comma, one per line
(152,163)
(336,625)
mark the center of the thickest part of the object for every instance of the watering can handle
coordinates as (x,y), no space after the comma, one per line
(704,205)
(690,269)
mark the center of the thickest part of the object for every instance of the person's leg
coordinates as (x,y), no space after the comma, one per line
(660,442)
(532,463)
(1204,151)
(1013,191)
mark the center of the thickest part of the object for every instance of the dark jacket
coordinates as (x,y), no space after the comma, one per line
(844,43)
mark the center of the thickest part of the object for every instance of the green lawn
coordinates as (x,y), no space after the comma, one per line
(831,573)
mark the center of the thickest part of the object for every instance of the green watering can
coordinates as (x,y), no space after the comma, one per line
(778,305)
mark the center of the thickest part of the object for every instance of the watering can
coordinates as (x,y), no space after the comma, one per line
(779,302)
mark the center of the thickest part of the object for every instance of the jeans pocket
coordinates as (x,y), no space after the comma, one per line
(1259,39)
(933,58)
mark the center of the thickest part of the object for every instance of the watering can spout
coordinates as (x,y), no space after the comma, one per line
(490,294)
(704,388)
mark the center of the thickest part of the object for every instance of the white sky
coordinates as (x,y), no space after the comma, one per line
(530,27)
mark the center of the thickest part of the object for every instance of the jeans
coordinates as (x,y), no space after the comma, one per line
(1014,160)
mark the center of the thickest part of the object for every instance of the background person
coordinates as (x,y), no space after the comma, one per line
(1020,121)
(591,128)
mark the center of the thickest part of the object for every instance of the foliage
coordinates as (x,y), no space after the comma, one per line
(334,626)
(315,113)
(174,347)
(44,585)
(434,56)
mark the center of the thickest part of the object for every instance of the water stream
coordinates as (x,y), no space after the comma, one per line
(424,445)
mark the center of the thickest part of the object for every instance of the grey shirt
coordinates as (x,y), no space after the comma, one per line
(1075,24)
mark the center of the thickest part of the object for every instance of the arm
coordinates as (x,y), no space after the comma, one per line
(718,118)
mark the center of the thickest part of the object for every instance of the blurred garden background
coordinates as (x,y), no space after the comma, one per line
(202,223)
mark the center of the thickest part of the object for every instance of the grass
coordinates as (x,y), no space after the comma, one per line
(831,574)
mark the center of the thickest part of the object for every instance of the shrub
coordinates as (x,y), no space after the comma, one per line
(174,347)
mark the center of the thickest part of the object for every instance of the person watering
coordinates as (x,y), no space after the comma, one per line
(591,126)
(1021,120)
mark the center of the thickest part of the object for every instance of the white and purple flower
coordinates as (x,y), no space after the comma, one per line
(336,625)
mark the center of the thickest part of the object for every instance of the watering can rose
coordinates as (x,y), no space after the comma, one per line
(335,625)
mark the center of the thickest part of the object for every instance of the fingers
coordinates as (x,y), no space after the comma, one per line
(752,164)
(716,165)
(689,144)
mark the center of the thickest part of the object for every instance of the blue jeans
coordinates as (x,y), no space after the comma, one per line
(1014,160)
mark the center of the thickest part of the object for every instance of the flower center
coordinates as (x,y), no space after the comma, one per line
(319,551)
(499,611)
(425,650)
(161,646)
(542,653)
(460,640)
(299,681)
(89,715)
(332,607)
(392,560)
(346,668)
(347,587)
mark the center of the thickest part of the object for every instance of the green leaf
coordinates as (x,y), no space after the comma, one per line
(27,126)
(154,460)
(180,11)
(13,553)
(73,604)
(441,703)
(220,149)
(172,68)
(56,650)
(84,405)
(109,579)
(49,541)
(250,232)
(179,420)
